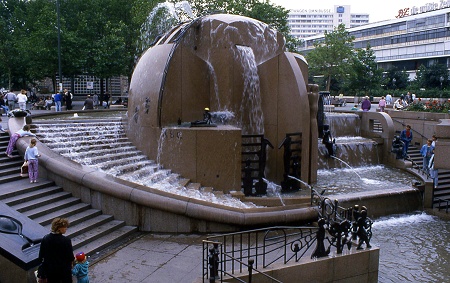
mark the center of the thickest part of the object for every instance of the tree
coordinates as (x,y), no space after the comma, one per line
(364,76)
(431,77)
(397,79)
(332,57)
(262,10)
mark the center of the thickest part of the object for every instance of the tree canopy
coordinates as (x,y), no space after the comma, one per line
(332,58)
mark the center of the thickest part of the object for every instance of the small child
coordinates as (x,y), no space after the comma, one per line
(31,157)
(355,107)
(81,268)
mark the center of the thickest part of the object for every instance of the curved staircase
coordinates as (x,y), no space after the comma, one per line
(90,230)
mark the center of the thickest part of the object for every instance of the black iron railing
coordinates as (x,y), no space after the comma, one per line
(225,255)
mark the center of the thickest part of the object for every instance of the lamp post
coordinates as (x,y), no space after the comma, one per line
(393,84)
(441,79)
(59,45)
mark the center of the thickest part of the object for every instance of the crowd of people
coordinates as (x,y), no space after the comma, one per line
(9,101)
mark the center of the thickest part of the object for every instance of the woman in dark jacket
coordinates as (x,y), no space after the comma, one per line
(56,253)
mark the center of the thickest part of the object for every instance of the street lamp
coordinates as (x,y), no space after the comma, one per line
(59,45)
(393,83)
(441,79)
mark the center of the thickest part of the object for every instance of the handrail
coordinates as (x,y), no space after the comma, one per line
(403,124)
(443,200)
(265,246)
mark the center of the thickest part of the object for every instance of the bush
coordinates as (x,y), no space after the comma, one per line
(429,106)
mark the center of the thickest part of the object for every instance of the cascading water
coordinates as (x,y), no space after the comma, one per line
(160,20)
(103,145)
(251,99)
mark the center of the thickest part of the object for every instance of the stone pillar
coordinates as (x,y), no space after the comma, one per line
(442,150)
(313,95)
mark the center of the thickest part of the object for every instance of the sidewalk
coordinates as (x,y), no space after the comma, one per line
(154,258)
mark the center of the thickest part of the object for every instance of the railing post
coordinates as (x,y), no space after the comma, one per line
(250,269)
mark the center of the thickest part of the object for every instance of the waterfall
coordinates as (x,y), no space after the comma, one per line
(104,146)
(252,120)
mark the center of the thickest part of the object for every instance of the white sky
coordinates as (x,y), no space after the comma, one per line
(378,10)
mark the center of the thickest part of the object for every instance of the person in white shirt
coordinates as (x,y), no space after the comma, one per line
(22,99)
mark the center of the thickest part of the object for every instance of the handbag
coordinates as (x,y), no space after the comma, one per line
(24,169)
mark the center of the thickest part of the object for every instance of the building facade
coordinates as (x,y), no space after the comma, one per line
(419,36)
(308,22)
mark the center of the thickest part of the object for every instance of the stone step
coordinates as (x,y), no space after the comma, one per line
(66,212)
(10,171)
(22,186)
(29,196)
(94,233)
(88,225)
(11,177)
(50,206)
(91,247)
(6,163)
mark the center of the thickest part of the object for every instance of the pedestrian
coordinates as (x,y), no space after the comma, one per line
(382,104)
(58,100)
(366,105)
(31,157)
(68,97)
(434,174)
(95,100)
(88,103)
(13,139)
(22,100)
(406,136)
(106,97)
(48,103)
(433,139)
(426,151)
(388,99)
(11,99)
(3,104)
(1,127)
(81,268)
(56,253)
(398,105)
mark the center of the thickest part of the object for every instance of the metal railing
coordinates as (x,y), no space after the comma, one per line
(224,255)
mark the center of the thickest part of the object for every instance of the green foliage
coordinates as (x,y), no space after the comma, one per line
(364,76)
(262,10)
(431,77)
(333,57)
(435,106)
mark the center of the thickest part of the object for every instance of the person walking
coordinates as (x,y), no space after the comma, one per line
(11,99)
(382,104)
(81,268)
(88,103)
(366,105)
(426,151)
(56,253)
(13,139)
(406,136)
(388,99)
(68,97)
(31,157)
(3,104)
(58,100)
(22,100)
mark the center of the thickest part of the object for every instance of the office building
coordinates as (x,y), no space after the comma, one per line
(307,22)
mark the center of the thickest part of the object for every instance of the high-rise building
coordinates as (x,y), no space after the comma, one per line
(307,22)
(418,36)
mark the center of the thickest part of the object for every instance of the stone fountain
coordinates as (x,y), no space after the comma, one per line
(229,64)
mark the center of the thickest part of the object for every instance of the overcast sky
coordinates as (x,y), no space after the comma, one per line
(378,10)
